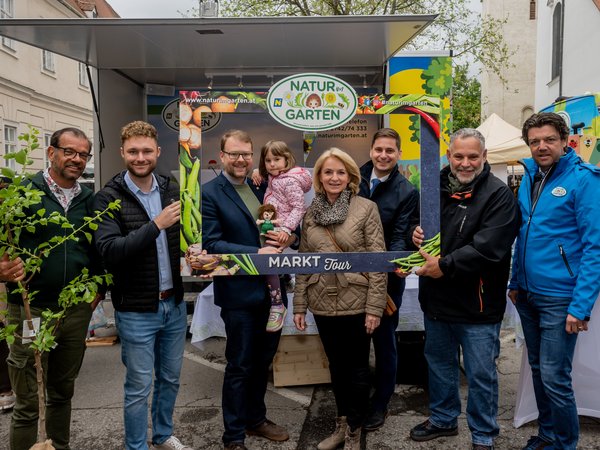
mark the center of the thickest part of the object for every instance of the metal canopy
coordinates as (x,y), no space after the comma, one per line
(183,52)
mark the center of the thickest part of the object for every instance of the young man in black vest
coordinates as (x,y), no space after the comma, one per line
(140,247)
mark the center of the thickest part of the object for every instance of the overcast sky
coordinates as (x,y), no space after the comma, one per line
(170,8)
(151,8)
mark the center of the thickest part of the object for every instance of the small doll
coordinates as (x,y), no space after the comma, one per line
(268,218)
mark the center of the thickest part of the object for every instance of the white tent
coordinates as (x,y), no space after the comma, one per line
(503,141)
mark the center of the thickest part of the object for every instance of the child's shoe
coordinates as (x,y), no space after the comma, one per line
(276,317)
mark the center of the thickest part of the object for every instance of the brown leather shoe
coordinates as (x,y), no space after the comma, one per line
(269,430)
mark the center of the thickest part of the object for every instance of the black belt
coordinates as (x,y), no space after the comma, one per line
(165,294)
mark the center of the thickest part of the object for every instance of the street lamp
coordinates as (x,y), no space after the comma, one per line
(209,8)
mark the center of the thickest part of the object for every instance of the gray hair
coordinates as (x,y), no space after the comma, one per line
(465,133)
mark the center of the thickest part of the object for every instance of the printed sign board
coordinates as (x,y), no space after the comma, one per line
(312,102)
(289,104)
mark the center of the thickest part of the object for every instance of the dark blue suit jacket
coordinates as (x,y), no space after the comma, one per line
(228,227)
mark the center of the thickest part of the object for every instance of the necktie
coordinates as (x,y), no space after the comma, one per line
(374,183)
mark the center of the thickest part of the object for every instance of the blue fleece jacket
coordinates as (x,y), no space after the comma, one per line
(557,253)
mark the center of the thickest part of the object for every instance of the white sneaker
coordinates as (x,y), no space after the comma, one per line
(172,444)
(7,400)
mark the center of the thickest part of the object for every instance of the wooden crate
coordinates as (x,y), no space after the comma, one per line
(300,360)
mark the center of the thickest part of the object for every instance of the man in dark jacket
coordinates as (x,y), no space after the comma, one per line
(68,153)
(229,212)
(140,246)
(463,292)
(397,201)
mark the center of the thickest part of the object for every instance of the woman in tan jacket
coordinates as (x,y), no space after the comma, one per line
(347,306)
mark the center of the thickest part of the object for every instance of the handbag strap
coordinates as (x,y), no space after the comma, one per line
(333,240)
(365,274)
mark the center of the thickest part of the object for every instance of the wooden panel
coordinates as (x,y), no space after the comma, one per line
(300,360)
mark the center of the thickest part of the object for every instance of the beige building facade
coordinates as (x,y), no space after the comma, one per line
(568,36)
(513,101)
(40,88)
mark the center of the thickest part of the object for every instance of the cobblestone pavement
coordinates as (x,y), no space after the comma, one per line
(307,412)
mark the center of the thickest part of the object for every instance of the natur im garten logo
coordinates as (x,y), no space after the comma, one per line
(312,102)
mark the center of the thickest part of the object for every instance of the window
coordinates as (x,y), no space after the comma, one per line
(7,11)
(557,19)
(83,78)
(47,137)
(48,61)
(526,113)
(10,144)
(532,10)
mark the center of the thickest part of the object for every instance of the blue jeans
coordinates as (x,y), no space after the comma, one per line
(249,351)
(386,352)
(550,349)
(480,345)
(151,342)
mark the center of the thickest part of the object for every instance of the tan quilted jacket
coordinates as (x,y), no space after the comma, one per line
(343,294)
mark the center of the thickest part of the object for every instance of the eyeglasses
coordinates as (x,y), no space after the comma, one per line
(234,156)
(70,153)
(550,140)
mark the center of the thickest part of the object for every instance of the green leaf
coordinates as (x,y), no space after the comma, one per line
(93,226)
(88,236)
(41,212)
(7,172)
(21,157)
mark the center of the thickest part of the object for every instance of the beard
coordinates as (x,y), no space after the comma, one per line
(69,171)
(141,171)
(466,177)
(237,172)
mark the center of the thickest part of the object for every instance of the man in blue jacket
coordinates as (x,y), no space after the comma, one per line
(229,213)
(555,278)
(398,202)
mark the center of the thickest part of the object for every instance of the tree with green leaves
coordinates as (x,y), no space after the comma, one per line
(457,27)
(22,216)
(466,99)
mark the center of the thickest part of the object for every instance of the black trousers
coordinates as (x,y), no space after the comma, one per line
(347,347)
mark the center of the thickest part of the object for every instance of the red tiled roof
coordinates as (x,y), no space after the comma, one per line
(75,6)
(103,8)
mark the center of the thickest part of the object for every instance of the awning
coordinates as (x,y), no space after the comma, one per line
(503,141)
(183,52)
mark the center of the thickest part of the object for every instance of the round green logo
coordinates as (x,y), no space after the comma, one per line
(312,102)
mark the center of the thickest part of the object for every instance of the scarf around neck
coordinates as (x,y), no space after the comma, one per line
(327,214)
(455,186)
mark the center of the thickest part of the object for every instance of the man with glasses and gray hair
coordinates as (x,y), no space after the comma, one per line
(68,153)
(229,212)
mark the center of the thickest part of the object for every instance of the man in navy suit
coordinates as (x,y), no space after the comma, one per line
(229,213)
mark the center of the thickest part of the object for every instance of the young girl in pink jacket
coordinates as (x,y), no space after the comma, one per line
(286,187)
